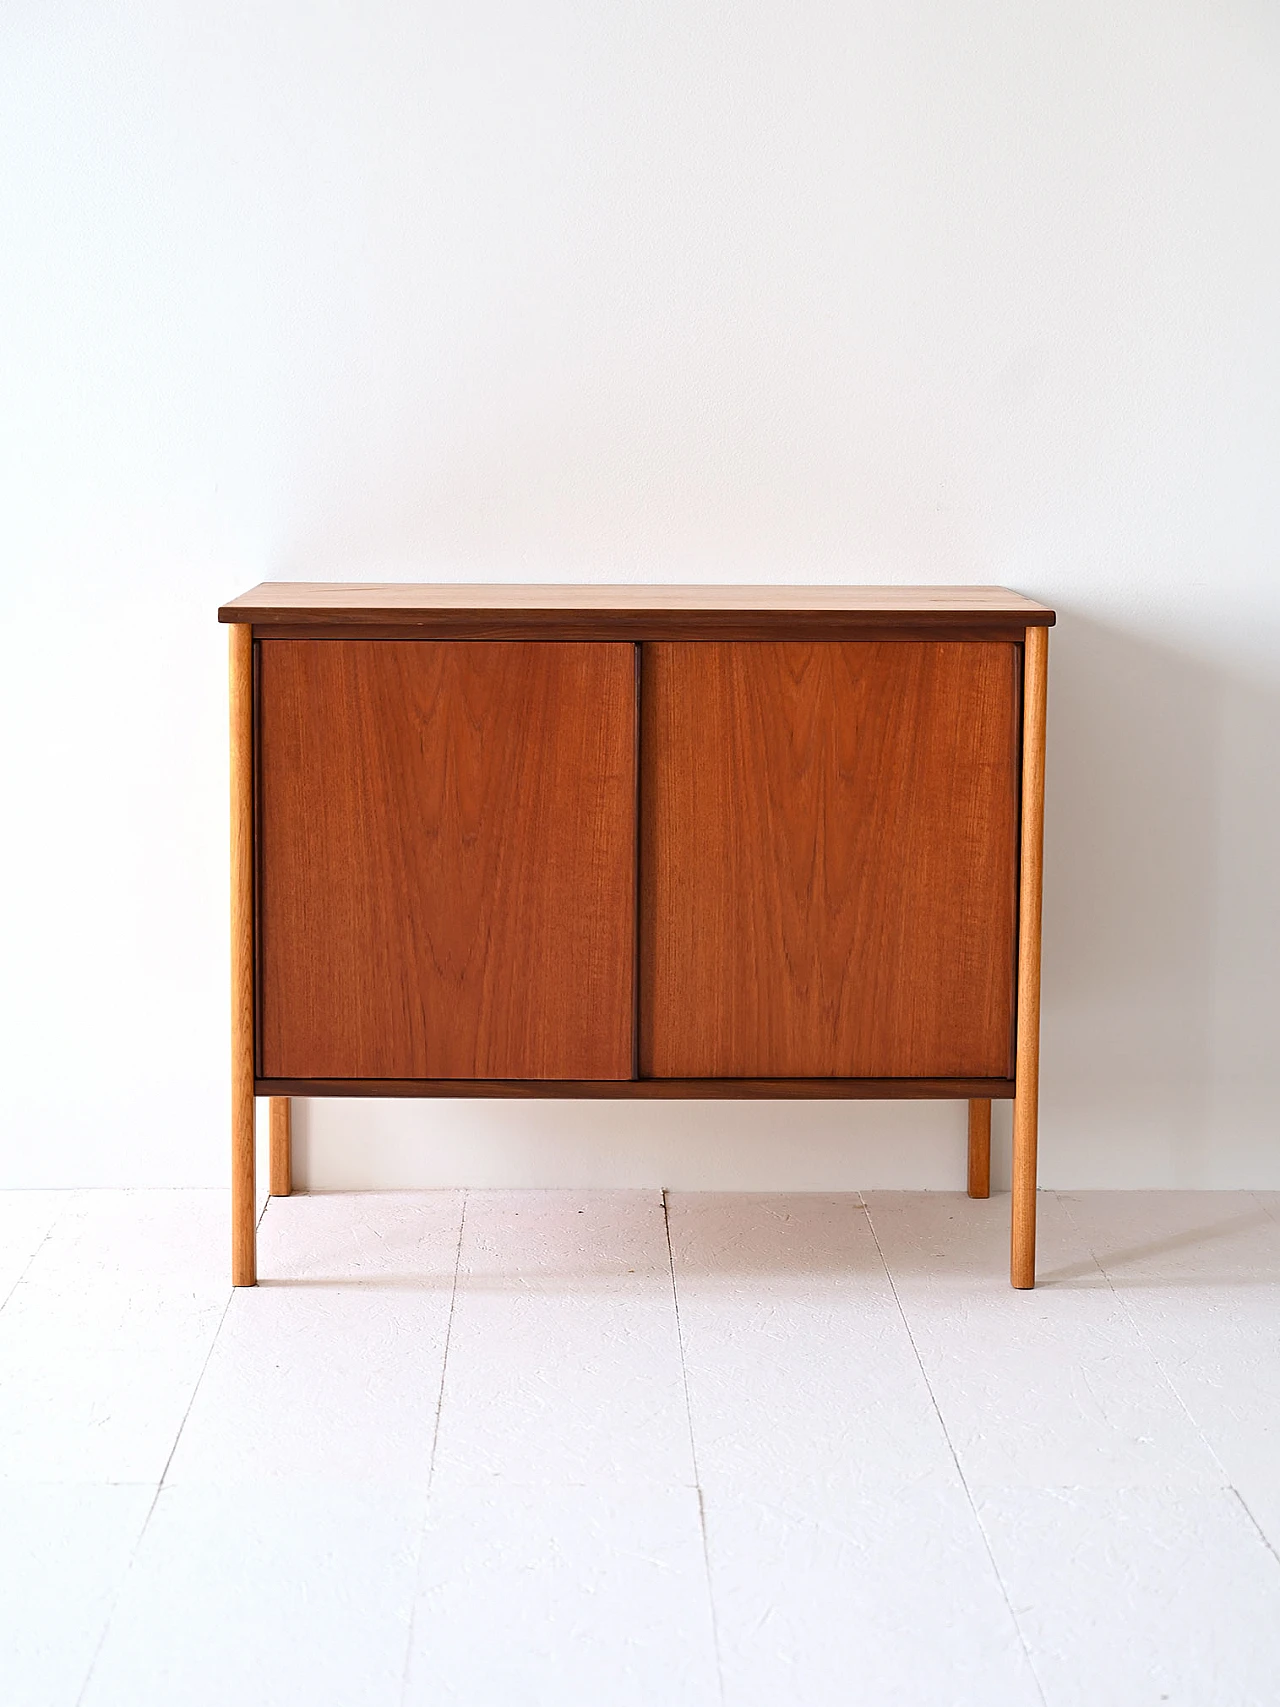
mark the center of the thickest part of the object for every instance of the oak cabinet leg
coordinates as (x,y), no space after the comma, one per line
(1022,1268)
(281,1146)
(244,1265)
(980,1147)
(244,1233)
(1022,1263)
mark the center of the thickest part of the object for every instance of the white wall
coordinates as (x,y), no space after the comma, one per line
(934,291)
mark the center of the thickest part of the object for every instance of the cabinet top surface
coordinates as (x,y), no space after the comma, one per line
(325,603)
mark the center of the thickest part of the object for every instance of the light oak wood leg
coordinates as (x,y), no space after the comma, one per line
(1022,1267)
(281,1146)
(980,1147)
(244,1264)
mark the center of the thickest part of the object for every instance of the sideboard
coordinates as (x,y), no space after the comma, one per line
(511,841)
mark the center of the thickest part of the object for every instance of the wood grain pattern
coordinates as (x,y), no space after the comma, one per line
(308,610)
(243,1181)
(1022,1259)
(980,1147)
(351,600)
(281,1128)
(647,1090)
(448,867)
(829,860)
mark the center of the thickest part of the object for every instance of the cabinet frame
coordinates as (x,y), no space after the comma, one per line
(324,612)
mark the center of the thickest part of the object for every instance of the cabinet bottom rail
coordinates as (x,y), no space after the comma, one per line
(747,1089)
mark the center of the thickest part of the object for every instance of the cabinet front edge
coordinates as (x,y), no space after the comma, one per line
(625,630)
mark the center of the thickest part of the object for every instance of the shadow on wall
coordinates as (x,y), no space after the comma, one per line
(1162,921)
(390,1143)
(1161,1018)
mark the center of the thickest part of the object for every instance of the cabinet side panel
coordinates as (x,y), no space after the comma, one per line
(448,864)
(829,859)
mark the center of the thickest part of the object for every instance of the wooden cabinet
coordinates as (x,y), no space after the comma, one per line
(636,842)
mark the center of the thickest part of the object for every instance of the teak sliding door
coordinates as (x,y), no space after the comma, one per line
(829,859)
(446,859)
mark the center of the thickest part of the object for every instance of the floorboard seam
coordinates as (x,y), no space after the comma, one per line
(693,1447)
(26,1267)
(155,1500)
(955,1459)
(1262,1534)
(431,1462)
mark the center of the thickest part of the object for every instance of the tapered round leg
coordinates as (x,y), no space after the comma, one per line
(244,1262)
(1027,1095)
(244,1241)
(1022,1267)
(980,1147)
(281,1146)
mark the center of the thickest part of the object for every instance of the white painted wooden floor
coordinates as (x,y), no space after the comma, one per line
(584,1449)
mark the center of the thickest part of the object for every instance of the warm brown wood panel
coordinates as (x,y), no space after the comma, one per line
(638,626)
(828,859)
(447,859)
